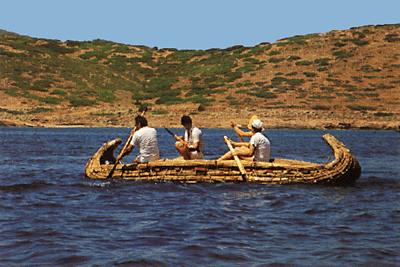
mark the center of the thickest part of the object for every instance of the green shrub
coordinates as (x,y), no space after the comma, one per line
(309,74)
(300,39)
(55,46)
(320,107)
(335,81)
(14,112)
(51,100)
(292,58)
(359,35)
(322,61)
(276,60)
(391,38)
(278,80)
(295,82)
(322,69)
(274,53)
(76,102)
(328,89)
(382,86)
(59,92)
(327,97)
(360,108)
(160,112)
(304,63)
(369,68)
(383,114)
(41,85)
(40,110)
(359,42)
(169,100)
(342,54)
(261,93)
(291,73)
(339,44)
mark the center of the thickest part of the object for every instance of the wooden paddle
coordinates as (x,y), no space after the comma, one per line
(239,164)
(240,137)
(126,145)
(174,135)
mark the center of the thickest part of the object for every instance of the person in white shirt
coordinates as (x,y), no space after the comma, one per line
(258,149)
(191,145)
(146,139)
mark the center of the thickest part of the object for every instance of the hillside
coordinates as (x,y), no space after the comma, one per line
(340,79)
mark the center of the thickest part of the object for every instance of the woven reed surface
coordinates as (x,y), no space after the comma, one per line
(344,169)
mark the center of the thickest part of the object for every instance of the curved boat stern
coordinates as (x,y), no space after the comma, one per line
(105,155)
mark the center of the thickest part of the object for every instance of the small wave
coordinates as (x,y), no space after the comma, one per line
(74,260)
(24,187)
(141,262)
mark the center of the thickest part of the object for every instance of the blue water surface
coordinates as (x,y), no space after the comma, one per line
(51,215)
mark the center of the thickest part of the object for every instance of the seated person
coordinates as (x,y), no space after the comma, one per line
(146,138)
(191,146)
(258,149)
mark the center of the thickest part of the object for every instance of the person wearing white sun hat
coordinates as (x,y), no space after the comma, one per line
(258,149)
(242,133)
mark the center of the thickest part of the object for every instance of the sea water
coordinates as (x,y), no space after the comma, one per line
(51,215)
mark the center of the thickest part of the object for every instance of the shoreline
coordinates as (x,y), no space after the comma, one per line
(214,121)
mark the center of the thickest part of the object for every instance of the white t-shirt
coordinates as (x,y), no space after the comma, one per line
(146,139)
(262,147)
(195,136)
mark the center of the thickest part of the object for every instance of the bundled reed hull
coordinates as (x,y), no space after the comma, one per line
(343,170)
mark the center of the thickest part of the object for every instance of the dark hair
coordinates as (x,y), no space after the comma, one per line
(186,120)
(257,130)
(139,120)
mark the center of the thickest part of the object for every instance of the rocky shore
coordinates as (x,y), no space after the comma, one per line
(272,118)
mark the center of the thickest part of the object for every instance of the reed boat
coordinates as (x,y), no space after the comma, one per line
(343,170)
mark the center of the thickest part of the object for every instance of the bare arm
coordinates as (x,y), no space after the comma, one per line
(238,144)
(239,131)
(125,152)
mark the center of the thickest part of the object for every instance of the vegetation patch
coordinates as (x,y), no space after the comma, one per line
(43,70)
(304,63)
(293,58)
(276,60)
(14,112)
(309,74)
(322,61)
(320,107)
(383,114)
(291,73)
(40,110)
(360,108)
(369,68)
(391,38)
(160,112)
(342,54)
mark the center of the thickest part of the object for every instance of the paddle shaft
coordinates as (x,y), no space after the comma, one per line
(125,146)
(174,135)
(239,164)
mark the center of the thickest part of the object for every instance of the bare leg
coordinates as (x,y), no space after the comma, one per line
(239,151)
(228,155)
(182,149)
